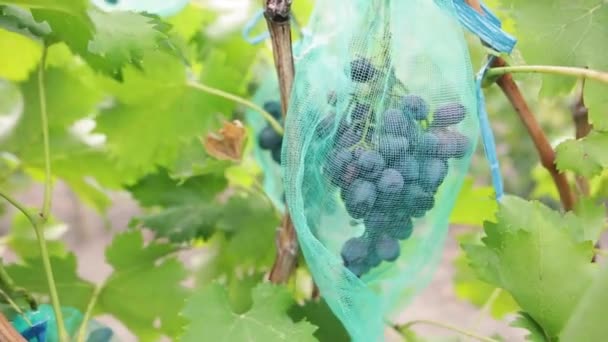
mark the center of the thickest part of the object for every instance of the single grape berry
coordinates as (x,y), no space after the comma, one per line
(387,203)
(391,182)
(370,165)
(418,200)
(354,251)
(373,259)
(428,144)
(432,174)
(387,248)
(394,122)
(409,167)
(358,269)
(360,198)
(378,221)
(362,70)
(403,231)
(452,144)
(274,108)
(276,155)
(393,148)
(335,165)
(269,139)
(449,114)
(415,107)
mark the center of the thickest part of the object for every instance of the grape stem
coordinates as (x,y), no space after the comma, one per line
(88,313)
(444,326)
(543,147)
(550,69)
(217,92)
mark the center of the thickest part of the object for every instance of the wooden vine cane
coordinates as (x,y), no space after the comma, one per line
(7,332)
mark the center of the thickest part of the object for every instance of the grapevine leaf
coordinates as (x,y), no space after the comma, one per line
(194,161)
(22,238)
(128,296)
(122,38)
(318,313)
(24,57)
(189,21)
(588,323)
(572,31)
(586,156)
(527,252)
(73,7)
(72,290)
(212,318)
(536,333)
(469,287)
(158,100)
(589,221)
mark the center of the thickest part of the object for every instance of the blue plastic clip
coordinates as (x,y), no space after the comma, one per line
(488,28)
(35,333)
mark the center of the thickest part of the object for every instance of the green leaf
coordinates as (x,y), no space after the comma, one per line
(587,156)
(527,252)
(72,290)
(70,6)
(22,238)
(145,286)
(189,209)
(588,321)
(571,32)
(469,287)
(122,38)
(24,56)
(318,313)
(473,205)
(536,333)
(157,101)
(211,317)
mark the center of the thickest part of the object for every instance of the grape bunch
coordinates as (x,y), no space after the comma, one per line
(268,138)
(388,166)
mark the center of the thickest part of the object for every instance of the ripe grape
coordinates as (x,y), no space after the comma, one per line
(394,122)
(403,231)
(370,165)
(449,114)
(276,155)
(269,139)
(336,164)
(391,182)
(415,107)
(453,144)
(427,144)
(387,248)
(274,108)
(432,173)
(362,70)
(378,221)
(361,112)
(354,250)
(393,148)
(409,168)
(360,198)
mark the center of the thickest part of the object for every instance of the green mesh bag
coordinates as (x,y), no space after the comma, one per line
(267,149)
(381,127)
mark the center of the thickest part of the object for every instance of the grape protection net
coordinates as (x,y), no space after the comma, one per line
(379,134)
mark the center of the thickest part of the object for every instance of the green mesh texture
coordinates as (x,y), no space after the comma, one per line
(380,131)
(267,93)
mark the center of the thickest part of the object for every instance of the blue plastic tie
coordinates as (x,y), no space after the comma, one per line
(488,28)
(35,333)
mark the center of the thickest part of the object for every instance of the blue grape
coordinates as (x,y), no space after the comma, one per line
(449,114)
(276,155)
(361,112)
(403,230)
(378,221)
(415,107)
(274,108)
(335,165)
(409,168)
(349,138)
(360,198)
(394,122)
(393,148)
(362,70)
(370,164)
(453,144)
(432,174)
(391,182)
(418,200)
(387,248)
(428,144)
(269,139)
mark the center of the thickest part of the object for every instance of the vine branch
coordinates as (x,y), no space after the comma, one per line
(550,69)
(217,92)
(88,313)
(543,147)
(444,326)
(277,14)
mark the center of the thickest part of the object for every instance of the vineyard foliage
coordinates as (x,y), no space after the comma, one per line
(126,113)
